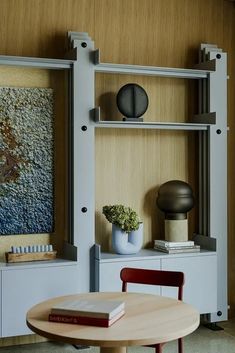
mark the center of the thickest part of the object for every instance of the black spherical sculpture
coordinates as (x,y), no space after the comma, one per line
(175,199)
(132,102)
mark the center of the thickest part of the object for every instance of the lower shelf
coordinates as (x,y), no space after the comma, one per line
(145,254)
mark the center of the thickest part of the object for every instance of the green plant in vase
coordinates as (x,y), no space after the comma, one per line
(127,229)
(122,216)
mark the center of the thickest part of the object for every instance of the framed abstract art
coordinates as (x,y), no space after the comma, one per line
(26,161)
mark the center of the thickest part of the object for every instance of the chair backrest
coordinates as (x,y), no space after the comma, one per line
(153,277)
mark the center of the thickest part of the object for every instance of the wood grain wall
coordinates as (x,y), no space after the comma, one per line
(130,165)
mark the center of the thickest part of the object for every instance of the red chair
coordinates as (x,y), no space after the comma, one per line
(155,277)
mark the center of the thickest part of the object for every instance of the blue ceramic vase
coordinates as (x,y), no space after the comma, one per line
(124,243)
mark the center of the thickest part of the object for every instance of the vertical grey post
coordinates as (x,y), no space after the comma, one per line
(203,153)
(214,181)
(82,156)
(217,174)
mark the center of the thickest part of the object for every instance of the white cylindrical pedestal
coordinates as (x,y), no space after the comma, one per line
(176,230)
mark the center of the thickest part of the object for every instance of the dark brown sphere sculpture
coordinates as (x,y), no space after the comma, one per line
(132,101)
(175,199)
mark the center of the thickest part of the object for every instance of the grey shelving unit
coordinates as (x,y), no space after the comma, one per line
(75,273)
(211,124)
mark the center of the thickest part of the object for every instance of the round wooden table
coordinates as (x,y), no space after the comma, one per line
(148,319)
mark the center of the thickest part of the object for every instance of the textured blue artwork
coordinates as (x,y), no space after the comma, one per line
(26,161)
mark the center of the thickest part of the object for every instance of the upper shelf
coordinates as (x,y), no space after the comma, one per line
(41,63)
(152,71)
(203,70)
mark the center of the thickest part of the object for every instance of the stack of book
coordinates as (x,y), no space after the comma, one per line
(171,247)
(101,313)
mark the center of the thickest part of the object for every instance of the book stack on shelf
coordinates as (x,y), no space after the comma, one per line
(101,313)
(171,247)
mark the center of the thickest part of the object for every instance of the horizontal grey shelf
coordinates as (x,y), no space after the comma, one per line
(36,264)
(202,124)
(152,71)
(148,254)
(151,125)
(43,63)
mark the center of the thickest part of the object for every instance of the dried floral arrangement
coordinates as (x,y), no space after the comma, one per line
(122,216)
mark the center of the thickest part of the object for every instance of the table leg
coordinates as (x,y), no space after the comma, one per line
(112,349)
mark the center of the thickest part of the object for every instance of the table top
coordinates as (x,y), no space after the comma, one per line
(148,319)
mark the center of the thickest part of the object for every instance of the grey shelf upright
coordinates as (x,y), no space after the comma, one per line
(211,124)
(38,280)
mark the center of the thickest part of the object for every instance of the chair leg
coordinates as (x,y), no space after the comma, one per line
(158,348)
(180,345)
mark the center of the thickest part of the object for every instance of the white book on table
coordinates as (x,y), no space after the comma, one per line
(89,308)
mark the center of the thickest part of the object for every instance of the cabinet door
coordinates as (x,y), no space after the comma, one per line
(109,276)
(200,287)
(23,288)
(0,304)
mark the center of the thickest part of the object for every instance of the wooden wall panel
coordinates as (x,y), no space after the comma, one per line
(168,98)
(131,165)
(39,27)
(156,32)
(146,32)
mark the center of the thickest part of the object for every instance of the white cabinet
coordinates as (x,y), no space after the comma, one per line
(200,269)
(200,287)
(0,305)
(109,275)
(26,285)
